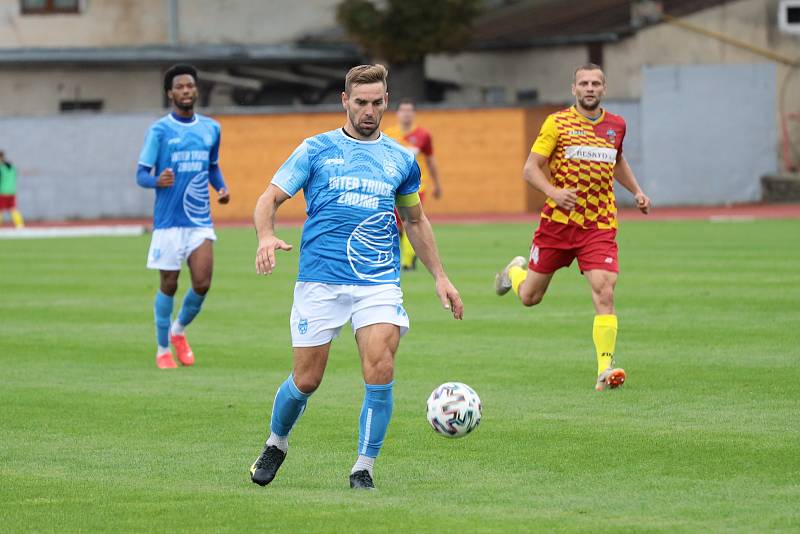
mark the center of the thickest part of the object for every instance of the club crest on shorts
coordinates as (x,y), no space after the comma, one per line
(535,254)
(302,326)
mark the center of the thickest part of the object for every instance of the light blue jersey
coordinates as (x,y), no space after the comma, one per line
(189,149)
(350,236)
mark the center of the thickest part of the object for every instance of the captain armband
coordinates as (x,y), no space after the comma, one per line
(406,201)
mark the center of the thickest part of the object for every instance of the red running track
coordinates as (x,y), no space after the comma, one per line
(719,213)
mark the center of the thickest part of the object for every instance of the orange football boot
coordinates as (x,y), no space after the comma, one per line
(165,361)
(182,349)
(611,378)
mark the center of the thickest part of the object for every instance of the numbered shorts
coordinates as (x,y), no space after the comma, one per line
(556,245)
(170,247)
(321,310)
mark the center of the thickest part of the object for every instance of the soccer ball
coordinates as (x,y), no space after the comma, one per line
(454,409)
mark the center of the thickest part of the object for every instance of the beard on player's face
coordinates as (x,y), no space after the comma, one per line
(185,107)
(185,104)
(366,131)
(590,105)
(184,100)
(365,125)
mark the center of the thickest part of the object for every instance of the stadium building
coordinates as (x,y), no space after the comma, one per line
(668,63)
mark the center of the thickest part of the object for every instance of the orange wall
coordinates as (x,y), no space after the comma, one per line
(479,152)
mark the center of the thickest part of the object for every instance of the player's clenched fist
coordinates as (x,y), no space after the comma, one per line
(565,198)
(265,255)
(166,178)
(642,202)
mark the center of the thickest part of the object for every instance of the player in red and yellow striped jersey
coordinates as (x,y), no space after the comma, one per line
(418,140)
(582,148)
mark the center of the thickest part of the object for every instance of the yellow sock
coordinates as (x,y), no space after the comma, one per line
(406,252)
(16,216)
(517,276)
(604,334)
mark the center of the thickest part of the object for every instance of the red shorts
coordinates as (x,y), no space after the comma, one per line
(555,245)
(8,202)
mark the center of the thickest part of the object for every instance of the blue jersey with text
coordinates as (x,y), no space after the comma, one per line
(350,236)
(188,148)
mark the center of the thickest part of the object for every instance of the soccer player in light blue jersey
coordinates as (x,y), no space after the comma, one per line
(352,179)
(180,158)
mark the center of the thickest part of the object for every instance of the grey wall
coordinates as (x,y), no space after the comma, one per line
(701,135)
(632,147)
(708,132)
(78,166)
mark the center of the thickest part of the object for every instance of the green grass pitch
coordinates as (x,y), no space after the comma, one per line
(704,436)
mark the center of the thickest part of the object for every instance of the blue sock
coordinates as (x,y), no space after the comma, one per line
(287,408)
(163,314)
(191,307)
(375,415)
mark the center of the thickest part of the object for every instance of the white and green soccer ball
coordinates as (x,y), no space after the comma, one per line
(454,409)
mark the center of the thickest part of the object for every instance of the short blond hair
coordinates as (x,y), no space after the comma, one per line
(364,74)
(588,66)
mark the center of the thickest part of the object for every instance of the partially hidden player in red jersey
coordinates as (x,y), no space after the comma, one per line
(8,192)
(417,139)
(582,147)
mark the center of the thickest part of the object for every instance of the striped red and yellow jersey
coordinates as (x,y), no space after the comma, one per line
(582,155)
(419,140)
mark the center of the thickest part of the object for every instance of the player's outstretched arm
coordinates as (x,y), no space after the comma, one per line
(420,233)
(264,218)
(624,175)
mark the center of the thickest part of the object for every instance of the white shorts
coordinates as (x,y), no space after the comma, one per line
(320,310)
(170,247)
